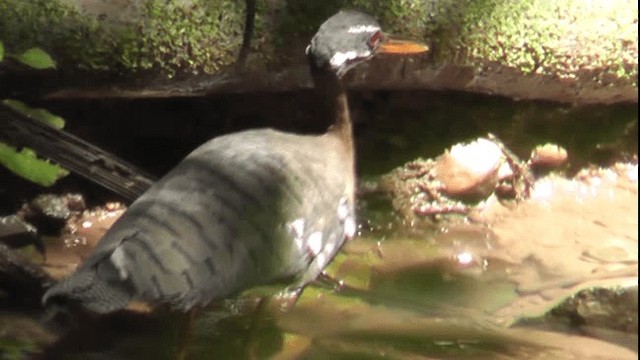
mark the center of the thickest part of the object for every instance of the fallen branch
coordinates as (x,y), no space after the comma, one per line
(74,154)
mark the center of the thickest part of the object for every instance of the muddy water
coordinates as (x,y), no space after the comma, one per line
(413,291)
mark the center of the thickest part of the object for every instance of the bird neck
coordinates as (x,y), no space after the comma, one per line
(333,105)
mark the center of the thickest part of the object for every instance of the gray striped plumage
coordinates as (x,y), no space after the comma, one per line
(237,212)
(241,210)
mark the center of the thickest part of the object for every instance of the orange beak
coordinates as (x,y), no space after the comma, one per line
(401,47)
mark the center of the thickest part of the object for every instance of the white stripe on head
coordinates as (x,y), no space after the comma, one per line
(340,58)
(363,28)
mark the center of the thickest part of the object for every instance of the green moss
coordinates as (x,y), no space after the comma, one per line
(563,39)
(57,28)
(407,18)
(401,17)
(167,35)
(566,39)
(299,20)
(204,36)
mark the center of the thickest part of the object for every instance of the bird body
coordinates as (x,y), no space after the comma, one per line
(233,214)
(243,209)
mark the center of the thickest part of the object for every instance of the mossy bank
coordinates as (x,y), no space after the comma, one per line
(588,48)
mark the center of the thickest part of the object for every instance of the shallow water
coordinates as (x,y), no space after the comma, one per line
(411,291)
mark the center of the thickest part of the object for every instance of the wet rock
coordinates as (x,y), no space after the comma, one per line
(81,233)
(548,157)
(75,202)
(50,205)
(469,170)
(16,233)
(49,212)
(22,283)
(606,311)
(416,193)
(459,181)
(609,308)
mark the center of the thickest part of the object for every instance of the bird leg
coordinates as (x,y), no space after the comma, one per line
(185,330)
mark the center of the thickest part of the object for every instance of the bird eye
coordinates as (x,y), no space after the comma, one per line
(375,39)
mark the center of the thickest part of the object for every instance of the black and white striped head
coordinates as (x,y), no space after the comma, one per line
(350,37)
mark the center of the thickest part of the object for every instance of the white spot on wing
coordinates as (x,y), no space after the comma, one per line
(315,242)
(118,260)
(349,227)
(299,243)
(328,249)
(321,260)
(297,227)
(343,209)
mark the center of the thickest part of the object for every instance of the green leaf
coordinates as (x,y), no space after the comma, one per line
(26,165)
(37,59)
(1,51)
(38,114)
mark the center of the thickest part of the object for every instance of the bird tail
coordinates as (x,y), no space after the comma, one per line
(88,290)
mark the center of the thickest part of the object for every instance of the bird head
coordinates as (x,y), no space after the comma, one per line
(350,37)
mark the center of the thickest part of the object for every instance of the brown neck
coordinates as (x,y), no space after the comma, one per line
(333,105)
